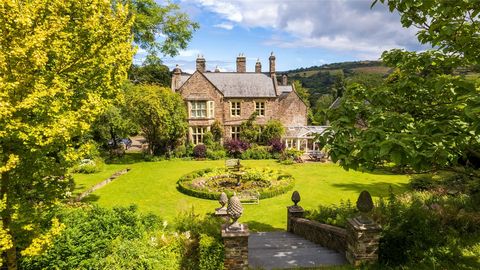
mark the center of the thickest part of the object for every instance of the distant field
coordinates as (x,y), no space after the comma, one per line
(313,72)
(152,186)
(372,70)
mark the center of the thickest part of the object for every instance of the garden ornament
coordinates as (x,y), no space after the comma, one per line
(295,197)
(234,210)
(365,206)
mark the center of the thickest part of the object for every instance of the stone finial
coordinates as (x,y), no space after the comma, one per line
(365,206)
(235,211)
(223,200)
(295,197)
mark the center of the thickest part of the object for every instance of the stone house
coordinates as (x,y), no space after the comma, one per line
(232,97)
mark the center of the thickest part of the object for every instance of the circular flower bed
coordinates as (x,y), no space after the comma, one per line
(210,183)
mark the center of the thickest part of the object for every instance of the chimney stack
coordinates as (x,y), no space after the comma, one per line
(284,79)
(241,63)
(200,63)
(177,72)
(258,66)
(272,65)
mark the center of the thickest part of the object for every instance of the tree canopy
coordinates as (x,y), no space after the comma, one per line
(159,28)
(160,114)
(425,116)
(59,61)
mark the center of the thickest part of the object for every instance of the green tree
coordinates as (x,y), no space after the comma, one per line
(425,116)
(249,130)
(321,109)
(59,60)
(272,130)
(160,114)
(160,28)
(302,92)
(152,71)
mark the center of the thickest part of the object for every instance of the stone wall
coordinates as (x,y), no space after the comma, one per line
(323,234)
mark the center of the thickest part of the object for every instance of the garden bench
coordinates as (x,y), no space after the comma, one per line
(249,197)
(233,165)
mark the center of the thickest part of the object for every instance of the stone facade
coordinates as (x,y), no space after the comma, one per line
(219,91)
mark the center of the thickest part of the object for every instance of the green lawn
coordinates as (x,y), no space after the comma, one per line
(152,186)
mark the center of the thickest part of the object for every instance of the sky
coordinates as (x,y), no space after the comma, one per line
(300,33)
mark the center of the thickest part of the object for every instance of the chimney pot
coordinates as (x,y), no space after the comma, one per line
(241,63)
(200,63)
(258,66)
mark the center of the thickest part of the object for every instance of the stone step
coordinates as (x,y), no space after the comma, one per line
(277,250)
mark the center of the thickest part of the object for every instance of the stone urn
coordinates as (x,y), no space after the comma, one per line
(235,211)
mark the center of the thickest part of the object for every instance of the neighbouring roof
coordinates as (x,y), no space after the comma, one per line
(304,131)
(285,88)
(335,103)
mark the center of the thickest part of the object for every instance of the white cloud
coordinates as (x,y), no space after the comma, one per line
(330,24)
(188,53)
(226,26)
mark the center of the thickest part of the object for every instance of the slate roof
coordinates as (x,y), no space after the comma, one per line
(233,84)
(285,88)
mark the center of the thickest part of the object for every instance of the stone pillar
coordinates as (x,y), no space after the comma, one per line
(363,234)
(293,211)
(362,241)
(236,247)
(222,213)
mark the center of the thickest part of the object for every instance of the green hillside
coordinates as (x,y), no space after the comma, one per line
(323,84)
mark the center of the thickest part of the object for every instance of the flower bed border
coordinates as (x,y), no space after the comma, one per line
(265,194)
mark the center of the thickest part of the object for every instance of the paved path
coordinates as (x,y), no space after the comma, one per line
(277,250)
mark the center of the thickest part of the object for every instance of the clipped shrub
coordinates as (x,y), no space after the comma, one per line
(267,182)
(276,146)
(208,139)
(235,148)
(257,152)
(88,166)
(422,182)
(200,151)
(216,154)
(180,151)
(291,154)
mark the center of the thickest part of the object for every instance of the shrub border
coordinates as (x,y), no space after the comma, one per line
(265,194)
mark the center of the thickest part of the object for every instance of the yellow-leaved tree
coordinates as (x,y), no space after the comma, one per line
(60,60)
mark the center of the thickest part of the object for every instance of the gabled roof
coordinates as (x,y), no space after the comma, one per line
(233,84)
(236,85)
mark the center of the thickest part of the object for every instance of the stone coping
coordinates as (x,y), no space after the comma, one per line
(245,232)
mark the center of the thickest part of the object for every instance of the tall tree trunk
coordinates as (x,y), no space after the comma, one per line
(6,220)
